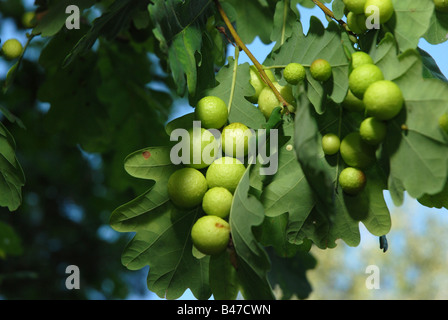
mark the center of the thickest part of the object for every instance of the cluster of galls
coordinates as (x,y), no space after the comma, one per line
(358,11)
(210,178)
(380,101)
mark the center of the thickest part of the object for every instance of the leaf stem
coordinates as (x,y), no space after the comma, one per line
(241,45)
(285,13)
(338,155)
(235,70)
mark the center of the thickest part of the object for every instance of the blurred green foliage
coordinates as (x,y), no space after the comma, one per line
(73,128)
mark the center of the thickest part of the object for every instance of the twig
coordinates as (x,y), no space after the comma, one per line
(241,44)
(222,30)
(330,13)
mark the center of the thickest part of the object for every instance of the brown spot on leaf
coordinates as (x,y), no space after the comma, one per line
(146,154)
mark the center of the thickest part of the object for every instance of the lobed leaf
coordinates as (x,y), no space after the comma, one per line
(335,215)
(233,86)
(285,16)
(410,21)
(318,43)
(438,28)
(246,12)
(289,190)
(252,260)
(115,19)
(290,273)
(55,17)
(164,243)
(178,27)
(12,178)
(153,164)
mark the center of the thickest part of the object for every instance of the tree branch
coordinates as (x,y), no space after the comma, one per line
(241,44)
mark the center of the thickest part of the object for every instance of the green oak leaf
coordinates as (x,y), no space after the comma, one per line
(309,4)
(318,43)
(151,164)
(116,18)
(233,86)
(430,67)
(336,215)
(162,238)
(438,200)
(252,261)
(410,21)
(55,18)
(10,242)
(285,17)
(246,12)
(178,27)
(183,122)
(273,233)
(223,278)
(290,273)
(338,7)
(421,147)
(12,178)
(288,191)
(164,243)
(438,28)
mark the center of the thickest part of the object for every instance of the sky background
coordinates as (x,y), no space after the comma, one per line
(260,51)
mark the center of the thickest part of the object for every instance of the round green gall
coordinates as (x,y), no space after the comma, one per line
(235,140)
(210,234)
(356,6)
(352,103)
(356,152)
(29,19)
(294,73)
(443,122)
(356,22)
(225,172)
(352,180)
(217,201)
(330,144)
(441,5)
(12,49)
(267,101)
(203,148)
(362,77)
(257,82)
(373,131)
(212,112)
(383,8)
(359,58)
(187,187)
(383,100)
(320,70)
